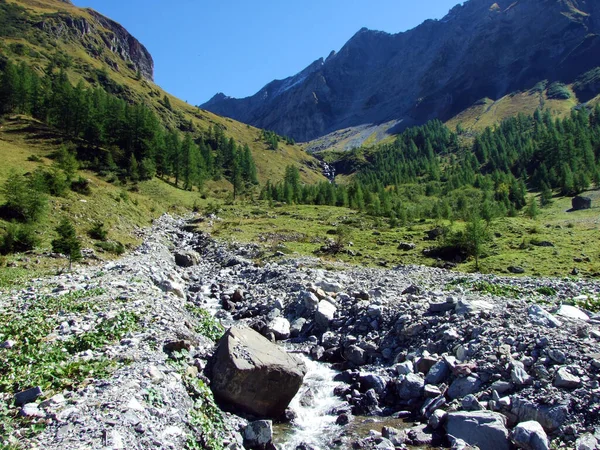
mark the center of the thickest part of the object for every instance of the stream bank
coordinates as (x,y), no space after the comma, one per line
(410,341)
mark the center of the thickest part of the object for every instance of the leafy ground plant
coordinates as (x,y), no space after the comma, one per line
(36,358)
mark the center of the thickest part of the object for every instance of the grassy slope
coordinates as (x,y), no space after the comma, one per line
(270,164)
(488,113)
(123,212)
(302,230)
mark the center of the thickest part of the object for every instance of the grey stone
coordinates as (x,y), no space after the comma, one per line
(404,368)
(325,313)
(470,403)
(258,434)
(572,312)
(540,316)
(464,386)
(530,436)
(550,417)
(53,401)
(438,373)
(564,379)
(395,436)
(580,203)
(431,391)
(586,441)
(32,410)
(519,375)
(411,386)
(280,327)
(472,306)
(440,307)
(424,363)
(501,386)
(485,429)
(374,382)
(355,355)
(187,258)
(310,300)
(296,326)
(436,420)
(253,374)
(557,356)
(28,396)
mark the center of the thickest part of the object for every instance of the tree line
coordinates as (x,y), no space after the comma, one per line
(123,138)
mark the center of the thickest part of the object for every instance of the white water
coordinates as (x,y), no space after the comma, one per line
(313,425)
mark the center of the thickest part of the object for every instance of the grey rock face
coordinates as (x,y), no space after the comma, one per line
(530,436)
(431,71)
(255,375)
(484,429)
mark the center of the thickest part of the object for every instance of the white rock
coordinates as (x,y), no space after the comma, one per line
(280,327)
(55,400)
(573,312)
(32,410)
(135,405)
(325,313)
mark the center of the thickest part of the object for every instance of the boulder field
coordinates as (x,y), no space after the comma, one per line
(515,368)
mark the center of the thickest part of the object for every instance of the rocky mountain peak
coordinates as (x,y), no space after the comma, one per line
(481,48)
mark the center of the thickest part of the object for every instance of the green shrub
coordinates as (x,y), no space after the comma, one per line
(53,182)
(81,185)
(558,91)
(546,290)
(18,238)
(98,232)
(115,248)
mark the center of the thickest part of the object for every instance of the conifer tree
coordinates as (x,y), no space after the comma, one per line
(67,241)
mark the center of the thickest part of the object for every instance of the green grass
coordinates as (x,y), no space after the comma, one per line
(41,359)
(303,230)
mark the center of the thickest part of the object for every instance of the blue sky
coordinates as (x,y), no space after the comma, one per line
(237,46)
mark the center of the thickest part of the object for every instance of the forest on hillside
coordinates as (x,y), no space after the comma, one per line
(432,172)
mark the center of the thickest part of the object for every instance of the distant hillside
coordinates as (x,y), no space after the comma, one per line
(381,83)
(54,35)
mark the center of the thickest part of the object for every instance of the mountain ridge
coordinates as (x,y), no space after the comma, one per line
(435,70)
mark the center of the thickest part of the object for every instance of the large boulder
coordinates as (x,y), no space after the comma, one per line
(484,429)
(254,375)
(530,436)
(187,258)
(551,417)
(580,203)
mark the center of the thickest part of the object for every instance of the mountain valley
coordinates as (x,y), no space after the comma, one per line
(428,255)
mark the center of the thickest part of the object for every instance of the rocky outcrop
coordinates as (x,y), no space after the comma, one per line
(480,49)
(98,33)
(254,375)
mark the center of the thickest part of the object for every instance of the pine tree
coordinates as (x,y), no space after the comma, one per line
(67,242)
